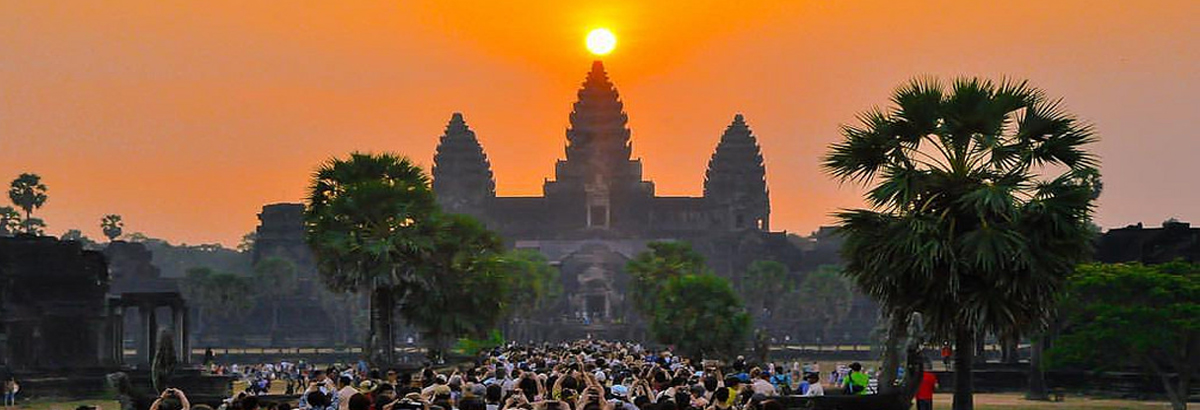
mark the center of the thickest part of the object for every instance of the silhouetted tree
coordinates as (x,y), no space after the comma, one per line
(826,296)
(112,225)
(28,193)
(765,284)
(276,279)
(700,315)
(363,220)
(247,243)
(10,221)
(981,196)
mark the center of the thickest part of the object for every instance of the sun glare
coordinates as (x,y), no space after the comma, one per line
(601,41)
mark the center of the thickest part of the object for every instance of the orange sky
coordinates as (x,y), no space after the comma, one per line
(186,117)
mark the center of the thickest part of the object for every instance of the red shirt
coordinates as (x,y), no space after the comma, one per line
(925,390)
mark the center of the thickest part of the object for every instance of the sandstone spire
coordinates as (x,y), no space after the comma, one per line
(735,185)
(462,174)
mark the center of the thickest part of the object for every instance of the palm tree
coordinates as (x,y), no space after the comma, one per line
(29,193)
(980,196)
(112,226)
(363,223)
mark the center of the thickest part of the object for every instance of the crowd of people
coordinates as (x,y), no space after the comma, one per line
(584,375)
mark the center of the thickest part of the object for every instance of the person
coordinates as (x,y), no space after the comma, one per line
(857,381)
(782,380)
(924,394)
(10,391)
(357,401)
(171,393)
(762,384)
(947,352)
(341,399)
(814,386)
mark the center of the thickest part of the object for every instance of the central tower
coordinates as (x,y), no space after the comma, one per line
(598,178)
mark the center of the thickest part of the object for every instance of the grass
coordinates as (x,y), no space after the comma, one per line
(1016,401)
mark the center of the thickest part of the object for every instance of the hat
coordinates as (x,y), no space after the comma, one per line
(620,391)
(440,379)
(366,386)
(478,390)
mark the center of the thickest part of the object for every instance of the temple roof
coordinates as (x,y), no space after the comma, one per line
(460,157)
(598,139)
(737,163)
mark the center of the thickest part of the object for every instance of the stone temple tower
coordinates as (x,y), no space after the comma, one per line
(598,181)
(735,185)
(462,174)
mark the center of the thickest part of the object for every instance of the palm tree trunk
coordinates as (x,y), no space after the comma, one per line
(1037,378)
(897,329)
(382,338)
(964,343)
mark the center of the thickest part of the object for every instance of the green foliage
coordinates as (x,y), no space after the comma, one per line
(1146,316)
(28,193)
(219,294)
(472,346)
(363,220)
(981,197)
(77,236)
(534,285)
(826,295)
(653,268)
(462,285)
(175,260)
(112,225)
(276,276)
(686,305)
(701,316)
(766,283)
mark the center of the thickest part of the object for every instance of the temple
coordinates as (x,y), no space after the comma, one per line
(599,211)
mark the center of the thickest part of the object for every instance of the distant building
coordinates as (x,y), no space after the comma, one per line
(1135,243)
(598,212)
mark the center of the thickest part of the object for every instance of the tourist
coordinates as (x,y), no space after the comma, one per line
(782,380)
(814,386)
(174,395)
(341,398)
(856,382)
(762,384)
(10,391)
(356,401)
(947,353)
(924,394)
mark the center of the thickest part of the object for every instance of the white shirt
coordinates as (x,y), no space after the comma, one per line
(815,389)
(763,387)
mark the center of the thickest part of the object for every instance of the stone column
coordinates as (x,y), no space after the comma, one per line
(149,331)
(118,335)
(179,319)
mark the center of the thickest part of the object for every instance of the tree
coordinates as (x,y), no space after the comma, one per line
(462,286)
(276,277)
(363,221)
(28,193)
(246,245)
(654,267)
(701,315)
(766,283)
(980,198)
(77,235)
(1147,316)
(10,221)
(218,296)
(827,296)
(535,288)
(112,225)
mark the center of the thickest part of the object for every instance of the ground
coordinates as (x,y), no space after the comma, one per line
(1003,401)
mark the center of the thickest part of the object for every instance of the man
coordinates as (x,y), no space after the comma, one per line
(857,381)
(762,384)
(342,399)
(925,390)
(814,385)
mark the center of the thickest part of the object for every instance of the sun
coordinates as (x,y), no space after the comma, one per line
(601,41)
